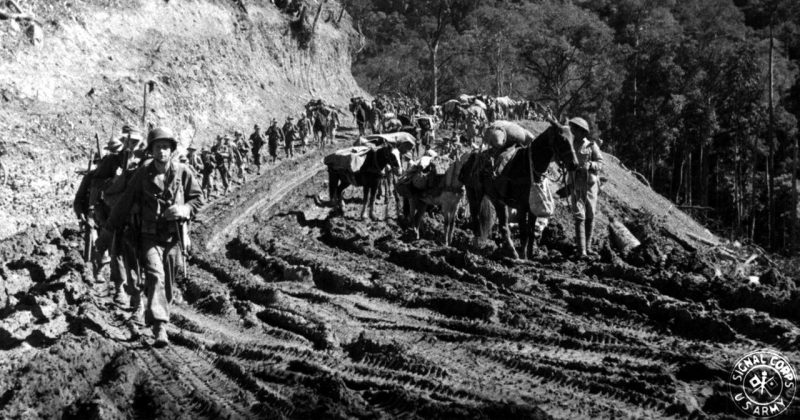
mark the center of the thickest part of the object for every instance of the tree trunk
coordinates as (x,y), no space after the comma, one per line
(771,235)
(737,182)
(793,215)
(435,64)
(703,184)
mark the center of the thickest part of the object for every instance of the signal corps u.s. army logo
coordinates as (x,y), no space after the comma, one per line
(763,383)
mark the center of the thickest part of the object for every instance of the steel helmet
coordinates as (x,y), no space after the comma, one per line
(580,122)
(159,133)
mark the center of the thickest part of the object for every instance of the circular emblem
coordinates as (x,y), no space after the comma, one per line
(762,383)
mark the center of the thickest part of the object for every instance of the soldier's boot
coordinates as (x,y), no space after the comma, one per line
(138,314)
(120,297)
(137,307)
(589,229)
(580,239)
(160,333)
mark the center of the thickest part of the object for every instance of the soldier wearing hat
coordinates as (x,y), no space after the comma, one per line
(209,165)
(166,195)
(195,163)
(289,136)
(104,179)
(238,159)
(303,131)
(585,185)
(222,159)
(274,138)
(256,143)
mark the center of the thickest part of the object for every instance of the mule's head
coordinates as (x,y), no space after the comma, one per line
(561,142)
(388,155)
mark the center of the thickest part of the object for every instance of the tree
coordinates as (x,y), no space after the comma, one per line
(570,53)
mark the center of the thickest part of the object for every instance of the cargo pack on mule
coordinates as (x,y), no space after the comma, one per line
(427,176)
(366,166)
(350,159)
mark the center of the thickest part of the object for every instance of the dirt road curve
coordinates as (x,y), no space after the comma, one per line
(287,312)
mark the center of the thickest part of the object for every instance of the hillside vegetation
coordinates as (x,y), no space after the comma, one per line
(679,90)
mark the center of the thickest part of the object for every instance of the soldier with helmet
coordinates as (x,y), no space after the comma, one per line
(166,195)
(107,185)
(289,136)
(222,159)
(257,142)
(585,185)
(274,138)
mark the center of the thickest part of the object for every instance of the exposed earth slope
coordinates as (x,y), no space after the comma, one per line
(217,64)
(289,312)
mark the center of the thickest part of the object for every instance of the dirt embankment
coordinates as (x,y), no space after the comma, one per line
(217,64)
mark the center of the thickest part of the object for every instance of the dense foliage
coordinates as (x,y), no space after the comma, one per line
(678,89)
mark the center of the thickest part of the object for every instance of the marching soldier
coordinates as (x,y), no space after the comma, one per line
(274,137)
(585,185)
(166,195)
(289,135)
(303,130)
(222,158)
(256,143)
(207,171)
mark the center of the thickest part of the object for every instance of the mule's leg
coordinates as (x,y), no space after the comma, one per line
(524,237)
(365,203)
(411,215)
(373,192)
(333,184)
(502,217)
(474,208)
(449,212)
(421,208)
(340,194)
(532,245)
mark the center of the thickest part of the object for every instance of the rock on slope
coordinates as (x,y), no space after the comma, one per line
(217,65)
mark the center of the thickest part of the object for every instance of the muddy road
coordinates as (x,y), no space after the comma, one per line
(287,312)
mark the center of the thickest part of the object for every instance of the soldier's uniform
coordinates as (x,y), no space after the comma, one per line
(238,161)
(289,134)
(82,195)
(274,137)
(303,130)
(585,186)
(222,159)
(163,201)
(244,148)
(107,169)
(195,162)
(256,143)
(207,171)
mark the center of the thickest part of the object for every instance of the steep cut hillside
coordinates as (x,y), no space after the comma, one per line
(217,65)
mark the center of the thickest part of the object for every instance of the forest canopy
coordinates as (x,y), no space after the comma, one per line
(679,90)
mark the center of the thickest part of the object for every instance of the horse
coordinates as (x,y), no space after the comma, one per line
(325,123)
(447,196)
(369,176)
(511,187)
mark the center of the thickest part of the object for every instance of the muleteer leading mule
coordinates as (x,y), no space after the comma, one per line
(506,173)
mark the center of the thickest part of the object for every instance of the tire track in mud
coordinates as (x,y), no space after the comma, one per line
(385,326)
(615,364)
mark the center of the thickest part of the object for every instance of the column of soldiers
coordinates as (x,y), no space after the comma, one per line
(135,204)
(230,157)
(139,200)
